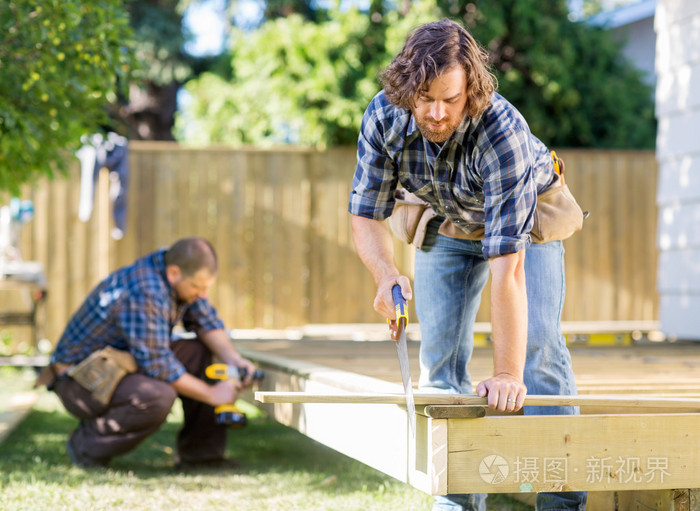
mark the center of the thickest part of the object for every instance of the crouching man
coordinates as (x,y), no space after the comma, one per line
(117,368)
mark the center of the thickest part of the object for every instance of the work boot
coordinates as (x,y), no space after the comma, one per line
(81,460)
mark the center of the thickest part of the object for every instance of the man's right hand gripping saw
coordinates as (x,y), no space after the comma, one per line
(505,390)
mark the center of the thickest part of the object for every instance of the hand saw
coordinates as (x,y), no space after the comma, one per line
(402,348)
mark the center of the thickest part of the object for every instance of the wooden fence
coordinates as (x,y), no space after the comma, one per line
(279,221)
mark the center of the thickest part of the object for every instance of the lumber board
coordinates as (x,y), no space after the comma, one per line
(612,456)
(374,434)
(678,403)
(454,411)
(566,453)
(662,368)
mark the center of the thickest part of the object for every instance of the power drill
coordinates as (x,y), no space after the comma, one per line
(229,414)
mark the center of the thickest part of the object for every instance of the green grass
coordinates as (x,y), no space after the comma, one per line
(282,470)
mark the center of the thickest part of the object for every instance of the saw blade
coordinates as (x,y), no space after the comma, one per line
(402,349)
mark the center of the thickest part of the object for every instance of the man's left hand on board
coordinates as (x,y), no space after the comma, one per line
(505,392)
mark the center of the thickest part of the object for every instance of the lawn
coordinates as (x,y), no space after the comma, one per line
(282,470)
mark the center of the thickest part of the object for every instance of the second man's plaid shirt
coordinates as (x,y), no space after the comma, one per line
(135,309)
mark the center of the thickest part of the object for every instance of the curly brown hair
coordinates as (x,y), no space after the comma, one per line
(432,49)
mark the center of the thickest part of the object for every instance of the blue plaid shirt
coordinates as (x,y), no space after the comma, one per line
(135,309)
(487,175)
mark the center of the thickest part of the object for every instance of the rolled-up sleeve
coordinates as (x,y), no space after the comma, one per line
(510,193)
(375,178)
(144,322)
(201,317)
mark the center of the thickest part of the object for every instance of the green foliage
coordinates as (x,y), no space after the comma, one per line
(60,64)
(309,9)
(282,469)
(159,40)
(569,80)
(296,81)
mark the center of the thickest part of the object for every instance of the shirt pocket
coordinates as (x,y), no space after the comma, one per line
(422,188)
(466,211)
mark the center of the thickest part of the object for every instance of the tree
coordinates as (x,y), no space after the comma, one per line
(569,79)
(293,82)
(147,112)
(296,81)
(60,64)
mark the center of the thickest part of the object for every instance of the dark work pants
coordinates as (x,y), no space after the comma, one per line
(138,408)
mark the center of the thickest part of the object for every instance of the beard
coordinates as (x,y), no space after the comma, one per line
(445,130)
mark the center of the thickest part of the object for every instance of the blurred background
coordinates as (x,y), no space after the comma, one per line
(128,124)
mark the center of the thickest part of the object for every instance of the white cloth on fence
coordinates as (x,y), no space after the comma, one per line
(111,152)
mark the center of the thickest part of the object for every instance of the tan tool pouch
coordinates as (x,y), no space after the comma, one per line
(410,217)
(557,215)
(101,372)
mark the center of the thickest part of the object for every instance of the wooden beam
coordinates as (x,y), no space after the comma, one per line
(374,434)
(454,411)
(603,453)
(685,404)
(518,454)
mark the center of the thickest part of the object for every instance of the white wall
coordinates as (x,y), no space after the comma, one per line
(639,43)
(677,25)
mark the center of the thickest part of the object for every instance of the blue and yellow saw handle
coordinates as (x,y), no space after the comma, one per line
(400,306)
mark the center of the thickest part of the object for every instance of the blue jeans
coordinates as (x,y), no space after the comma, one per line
(450,275)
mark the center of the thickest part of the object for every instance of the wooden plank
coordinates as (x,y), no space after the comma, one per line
(568,453)
(573,245)
(77,241)
(605,277)
(617,452)
(438,456)
(238,299)
(623,233)
(648,259)
(465,399)
(165,208)
(454,411)
(382,442)
(171,188)
(57,263)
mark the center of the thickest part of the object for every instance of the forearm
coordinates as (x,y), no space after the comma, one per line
(219,343)
(223,392)
(374,246)
(509,314)
(194,388)
(376,249)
